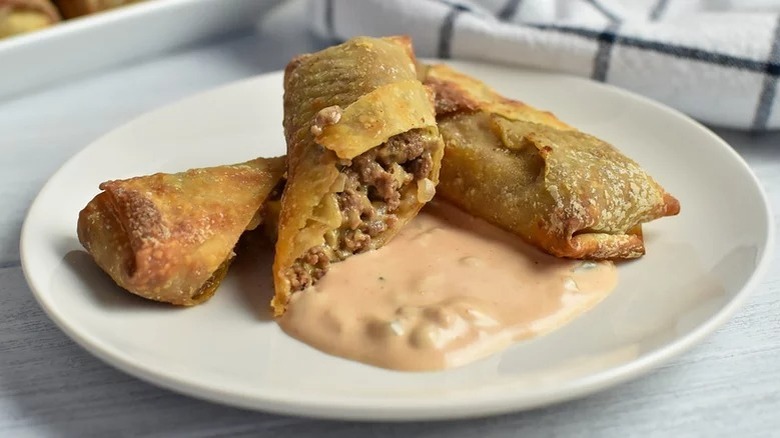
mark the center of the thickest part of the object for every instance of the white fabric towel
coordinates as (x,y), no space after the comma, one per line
(716,60)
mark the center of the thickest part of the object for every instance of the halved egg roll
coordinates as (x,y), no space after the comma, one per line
(363,156)
(170,237)
(564,191)
(20,16)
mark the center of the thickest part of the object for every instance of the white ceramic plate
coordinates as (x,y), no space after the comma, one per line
(698,269)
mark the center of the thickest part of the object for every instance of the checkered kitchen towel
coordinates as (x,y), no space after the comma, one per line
(717,60)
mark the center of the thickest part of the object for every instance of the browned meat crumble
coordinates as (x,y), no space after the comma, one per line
(374,183)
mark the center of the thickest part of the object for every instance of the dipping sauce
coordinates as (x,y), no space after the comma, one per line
(448,290)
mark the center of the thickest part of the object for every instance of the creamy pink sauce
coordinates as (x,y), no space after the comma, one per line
(448,290)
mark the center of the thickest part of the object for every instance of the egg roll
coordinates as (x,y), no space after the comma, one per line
(522,169)
(20,16)
(78,8)
(170,237)
(363,153)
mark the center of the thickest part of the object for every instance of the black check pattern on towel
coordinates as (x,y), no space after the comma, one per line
(606,40)
(445,32)
(679,51)
(770,68)
(611,16)
(769,89)
(330,27)
(658,10)
(508,11)
(742,87)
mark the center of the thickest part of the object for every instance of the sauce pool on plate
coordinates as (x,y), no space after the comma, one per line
(449,289)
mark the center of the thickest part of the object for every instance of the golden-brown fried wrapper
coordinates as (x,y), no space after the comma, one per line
(363,156)
(568,193)
(77,8)
(170,237)
(20,16)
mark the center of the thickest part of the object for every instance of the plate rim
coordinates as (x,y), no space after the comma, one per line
(355,408)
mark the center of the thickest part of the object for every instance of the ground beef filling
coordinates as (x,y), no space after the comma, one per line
(374,184)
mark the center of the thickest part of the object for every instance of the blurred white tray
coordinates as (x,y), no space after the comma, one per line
(101,40)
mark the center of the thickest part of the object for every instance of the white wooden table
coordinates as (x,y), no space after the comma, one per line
(49,386)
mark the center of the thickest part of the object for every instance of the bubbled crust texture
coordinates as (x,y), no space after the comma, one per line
(568,193)
(169,237)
